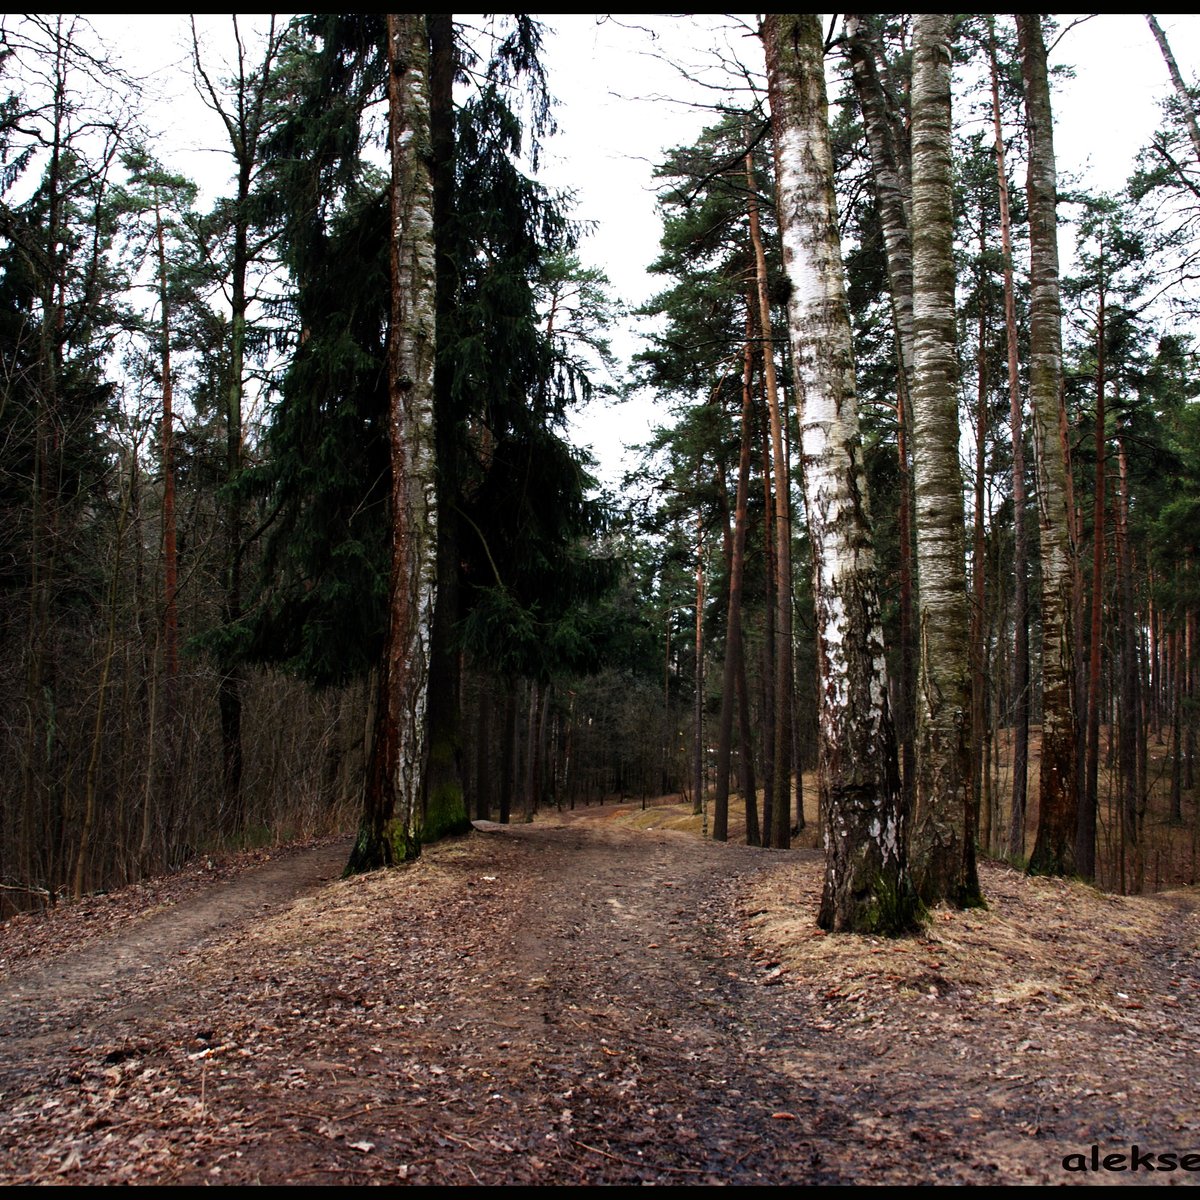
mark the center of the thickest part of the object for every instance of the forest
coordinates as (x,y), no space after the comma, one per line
(816,804)
(295,539)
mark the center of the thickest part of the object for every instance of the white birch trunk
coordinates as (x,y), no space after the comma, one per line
(893,189)
(941,852)
(411,430)
(1054,849)
(866,883)
(1187,108)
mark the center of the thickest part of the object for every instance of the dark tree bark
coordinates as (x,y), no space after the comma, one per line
(698,697)
(779,831)
(1085,842)
(1020,661)
(730,692)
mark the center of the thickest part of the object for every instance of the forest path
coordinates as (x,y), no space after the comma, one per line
(141,970)
(563,1002)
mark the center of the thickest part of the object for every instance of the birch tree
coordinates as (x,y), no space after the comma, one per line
(390,829)
(867,888)
(1187,108)
(890,147)
(1054,849)
(942,854)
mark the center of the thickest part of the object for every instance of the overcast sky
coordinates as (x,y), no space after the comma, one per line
(623,100)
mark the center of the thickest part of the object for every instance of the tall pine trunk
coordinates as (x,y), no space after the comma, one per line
(981,798)
(1129,698)
(867,888)
(1085,842)
(698,679)
(1019,701)
(778,834)
(170,624)
(731,692)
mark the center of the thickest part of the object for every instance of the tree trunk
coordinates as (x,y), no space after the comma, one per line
(980,793)
(767,673)
(890,175)
(1181,89)
(1189,668)
(779,833)
(531,754)
(698,698)
(905,721)
(390,831)
(1130,698)
(733,625)
(1020,660)
(483,741)
(941,848)
(1054,848)
(1176,653)
(508,739)
(171,730)
(891,168)
(229,694)
(1085,842)
(867,888)
(444,805)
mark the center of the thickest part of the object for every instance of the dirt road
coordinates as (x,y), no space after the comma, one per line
(547,1003)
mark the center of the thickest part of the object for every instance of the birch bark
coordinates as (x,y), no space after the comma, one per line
(1054,848)
(391,827)
(1187,108)
(941,850)
(867,888)
(891,173)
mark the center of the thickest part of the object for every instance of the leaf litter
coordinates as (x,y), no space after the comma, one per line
(581,1001)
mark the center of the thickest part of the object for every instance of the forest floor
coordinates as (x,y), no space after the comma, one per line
(590,998)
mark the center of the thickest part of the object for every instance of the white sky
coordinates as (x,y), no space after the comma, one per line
(622,102)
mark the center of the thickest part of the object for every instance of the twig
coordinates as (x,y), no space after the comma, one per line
(29,891)
(632,1162)
(453,1138)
